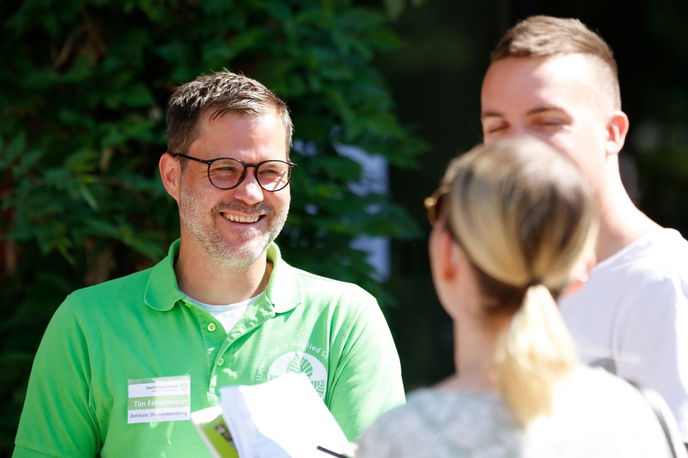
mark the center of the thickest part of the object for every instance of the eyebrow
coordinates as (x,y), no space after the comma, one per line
(538,110)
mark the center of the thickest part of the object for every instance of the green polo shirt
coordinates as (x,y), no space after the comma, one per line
(122,363)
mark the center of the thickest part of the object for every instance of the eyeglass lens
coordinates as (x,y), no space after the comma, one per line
(271,175)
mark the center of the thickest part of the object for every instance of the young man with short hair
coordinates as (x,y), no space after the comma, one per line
(555,79)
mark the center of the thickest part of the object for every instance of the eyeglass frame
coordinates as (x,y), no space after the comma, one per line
(209,163)
(433,203)
(434,206)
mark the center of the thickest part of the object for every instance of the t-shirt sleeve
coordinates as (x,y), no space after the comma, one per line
(367,378)
(57,418)
(652,344)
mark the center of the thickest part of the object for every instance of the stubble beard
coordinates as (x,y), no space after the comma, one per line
(221,252)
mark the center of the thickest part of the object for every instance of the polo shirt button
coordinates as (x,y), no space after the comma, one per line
(220,361)
(212,327)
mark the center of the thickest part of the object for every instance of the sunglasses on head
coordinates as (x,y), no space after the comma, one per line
(434,204)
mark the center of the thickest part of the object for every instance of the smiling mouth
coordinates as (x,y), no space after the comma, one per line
(244,219)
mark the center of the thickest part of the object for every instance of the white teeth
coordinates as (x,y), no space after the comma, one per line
(241,219)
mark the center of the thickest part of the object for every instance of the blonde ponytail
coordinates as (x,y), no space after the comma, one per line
(521,211)
(532,354)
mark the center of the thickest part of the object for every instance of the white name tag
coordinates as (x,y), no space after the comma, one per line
(159,399)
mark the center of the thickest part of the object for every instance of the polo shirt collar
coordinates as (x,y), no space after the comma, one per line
(282,292)
(162,291)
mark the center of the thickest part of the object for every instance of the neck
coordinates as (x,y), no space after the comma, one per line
(220,283)
(621,222)
(474,346)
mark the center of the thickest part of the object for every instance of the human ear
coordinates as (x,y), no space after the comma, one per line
(170,174)
(617,128)
(449,255)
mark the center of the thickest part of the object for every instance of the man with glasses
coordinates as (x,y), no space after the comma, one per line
(122,364)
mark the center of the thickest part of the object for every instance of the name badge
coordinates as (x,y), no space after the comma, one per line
(159,399)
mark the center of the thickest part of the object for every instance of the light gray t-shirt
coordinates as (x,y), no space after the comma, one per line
(594,415)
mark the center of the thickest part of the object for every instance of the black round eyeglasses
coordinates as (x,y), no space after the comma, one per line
(227,173)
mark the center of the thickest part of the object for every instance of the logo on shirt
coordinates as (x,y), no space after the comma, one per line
(297,362)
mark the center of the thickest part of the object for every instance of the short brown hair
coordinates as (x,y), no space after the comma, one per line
(542,36)
(222,93)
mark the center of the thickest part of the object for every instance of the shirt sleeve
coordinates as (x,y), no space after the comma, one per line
(652,344)
(58,418)
(367,378)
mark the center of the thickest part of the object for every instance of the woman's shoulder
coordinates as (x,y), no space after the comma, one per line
(440,423)
(597,385)
(590,390)
(432,408)
(598,414)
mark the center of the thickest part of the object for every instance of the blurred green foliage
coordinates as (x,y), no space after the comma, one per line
(84,88)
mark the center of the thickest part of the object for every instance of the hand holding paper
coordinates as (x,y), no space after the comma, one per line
(284,417)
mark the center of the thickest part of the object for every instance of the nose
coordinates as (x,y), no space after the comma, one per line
(519,130)
(249,191)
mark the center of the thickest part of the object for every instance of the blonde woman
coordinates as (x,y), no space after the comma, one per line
(512,224)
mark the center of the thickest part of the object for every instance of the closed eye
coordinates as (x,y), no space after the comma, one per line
(550,118)
(226,169)
(549,124)
(494,127)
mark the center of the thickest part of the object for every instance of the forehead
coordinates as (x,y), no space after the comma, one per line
(526,83)
(236,131)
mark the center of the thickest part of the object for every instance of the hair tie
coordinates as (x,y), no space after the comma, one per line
(534,282)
